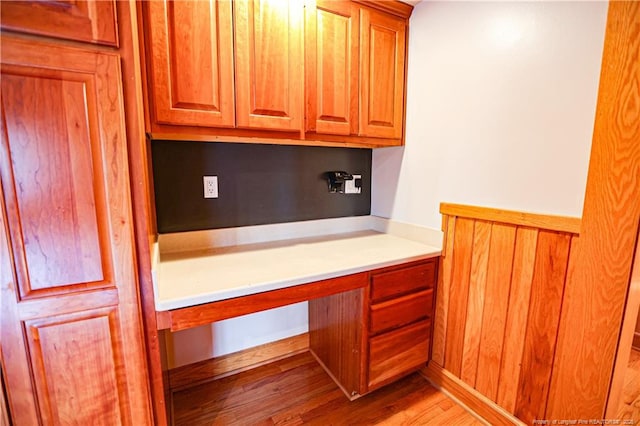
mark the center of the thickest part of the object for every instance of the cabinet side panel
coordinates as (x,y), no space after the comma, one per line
(335,334)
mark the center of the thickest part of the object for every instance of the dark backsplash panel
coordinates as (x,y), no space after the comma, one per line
(257,184)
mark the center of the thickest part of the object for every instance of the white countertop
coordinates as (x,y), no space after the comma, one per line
(191,278)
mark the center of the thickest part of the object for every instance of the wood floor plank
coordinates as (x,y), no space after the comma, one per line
(296,391)
(630,406)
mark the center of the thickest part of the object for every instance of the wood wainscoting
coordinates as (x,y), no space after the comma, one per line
(499,301)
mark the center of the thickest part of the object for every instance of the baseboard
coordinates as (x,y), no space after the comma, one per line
(216,368)
(466,396)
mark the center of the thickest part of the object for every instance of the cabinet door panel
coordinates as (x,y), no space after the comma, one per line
(331,49)
(92,21)
(68,351)
(382,68)
(71,333)
(47,122)
(269,64)
(191,60)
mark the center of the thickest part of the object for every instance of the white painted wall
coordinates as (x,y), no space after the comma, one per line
(500,109)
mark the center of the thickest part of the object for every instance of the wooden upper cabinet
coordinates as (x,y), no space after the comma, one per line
(191,62)
(71,335)
(92,21)
(382,74)
(332,42)
(269,64)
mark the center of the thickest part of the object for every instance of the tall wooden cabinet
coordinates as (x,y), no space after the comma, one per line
(72,339)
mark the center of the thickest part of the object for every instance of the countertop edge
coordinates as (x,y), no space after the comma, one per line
(270,286)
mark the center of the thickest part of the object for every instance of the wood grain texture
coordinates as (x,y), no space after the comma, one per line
(397,353)
(509,275)
(392,7)
(394,283)
(628,407)
(441,316)
(533,220)
(4,409)
(93,21)
(332,49)
(335,337)
(224,309)
(54,344)
(52,157)
(462,245)
(13,351)
(461,391)
(102,102)
(237,362)
(627,344)
(601,259)
(519,299)
(269,53)
(133,84)
(547,289)
(496,302)
(297,391)
(382,74)
(190,59)
(477,289)
(401,311)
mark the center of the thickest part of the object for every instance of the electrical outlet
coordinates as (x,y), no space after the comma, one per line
(210,186)
(353,186)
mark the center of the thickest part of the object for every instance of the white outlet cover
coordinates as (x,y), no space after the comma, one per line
(210,186)
(350,185)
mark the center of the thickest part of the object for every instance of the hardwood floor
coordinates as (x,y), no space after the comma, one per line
(296,391)
(630,409)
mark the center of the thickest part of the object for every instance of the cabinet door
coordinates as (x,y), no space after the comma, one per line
(331,50)
(269,64)
(71,333)
(190,56)
(93,21)
(382,68)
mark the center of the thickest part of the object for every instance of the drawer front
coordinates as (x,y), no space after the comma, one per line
(404,310)
(398,352)
(391,284)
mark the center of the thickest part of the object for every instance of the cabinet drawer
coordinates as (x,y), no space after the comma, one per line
(391,284)
(401,311)
(397,352)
